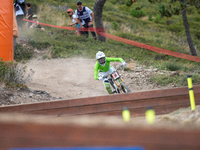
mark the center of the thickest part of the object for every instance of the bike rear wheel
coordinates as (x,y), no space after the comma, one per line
(125,88)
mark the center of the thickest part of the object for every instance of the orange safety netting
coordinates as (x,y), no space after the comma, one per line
(101,32)
(6,30)
(152,48)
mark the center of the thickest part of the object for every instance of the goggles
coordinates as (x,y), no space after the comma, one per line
(101,60)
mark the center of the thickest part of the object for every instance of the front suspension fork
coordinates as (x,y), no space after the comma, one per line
(120,80)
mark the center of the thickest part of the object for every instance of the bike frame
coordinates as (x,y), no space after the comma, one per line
(116,81)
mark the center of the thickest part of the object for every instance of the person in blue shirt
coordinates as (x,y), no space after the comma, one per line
(86,18)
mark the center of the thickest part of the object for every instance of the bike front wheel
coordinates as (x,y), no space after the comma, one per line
(125,88)
(115,89)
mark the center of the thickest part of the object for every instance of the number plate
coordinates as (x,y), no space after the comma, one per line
(115,75)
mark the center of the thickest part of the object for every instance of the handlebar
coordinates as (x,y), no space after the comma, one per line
(105,76)
(120,67)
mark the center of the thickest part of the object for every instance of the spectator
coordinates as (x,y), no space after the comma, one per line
(29,14)
(35,23)
(73,16)
(86,18)
(19,6)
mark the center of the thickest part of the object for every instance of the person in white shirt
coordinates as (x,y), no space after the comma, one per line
(73,16)
(85,17)
(19,12)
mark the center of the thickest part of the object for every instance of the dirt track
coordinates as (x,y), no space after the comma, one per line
(66,78)
(73,77)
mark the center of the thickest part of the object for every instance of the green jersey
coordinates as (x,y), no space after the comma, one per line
(106,67)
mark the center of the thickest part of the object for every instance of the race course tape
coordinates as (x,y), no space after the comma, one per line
(101,32)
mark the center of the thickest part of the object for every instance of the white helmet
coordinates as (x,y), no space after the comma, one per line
(100,56)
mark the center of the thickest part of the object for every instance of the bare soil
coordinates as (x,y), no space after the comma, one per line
(73,77)
(65,78)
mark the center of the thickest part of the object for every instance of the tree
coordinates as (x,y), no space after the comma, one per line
(187,31)
(183,6)
(176,11)
(98,6)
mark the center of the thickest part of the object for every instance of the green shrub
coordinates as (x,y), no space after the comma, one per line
(150,17)
(13,75)
(114,25)
(176,10)
(164,11)
(22,53)
(157,19)
(129,3)
(137,13)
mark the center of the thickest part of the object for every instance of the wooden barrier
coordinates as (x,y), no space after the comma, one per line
(163,101)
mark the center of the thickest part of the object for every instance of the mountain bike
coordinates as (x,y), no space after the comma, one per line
(116,82)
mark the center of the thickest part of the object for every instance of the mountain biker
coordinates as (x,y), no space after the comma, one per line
(103,67)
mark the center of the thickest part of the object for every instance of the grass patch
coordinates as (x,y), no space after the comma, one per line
(39,45)
(172,66)
(176,80)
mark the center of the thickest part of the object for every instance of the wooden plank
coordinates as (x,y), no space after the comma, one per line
(98,100)
(107,104)
(31,133)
